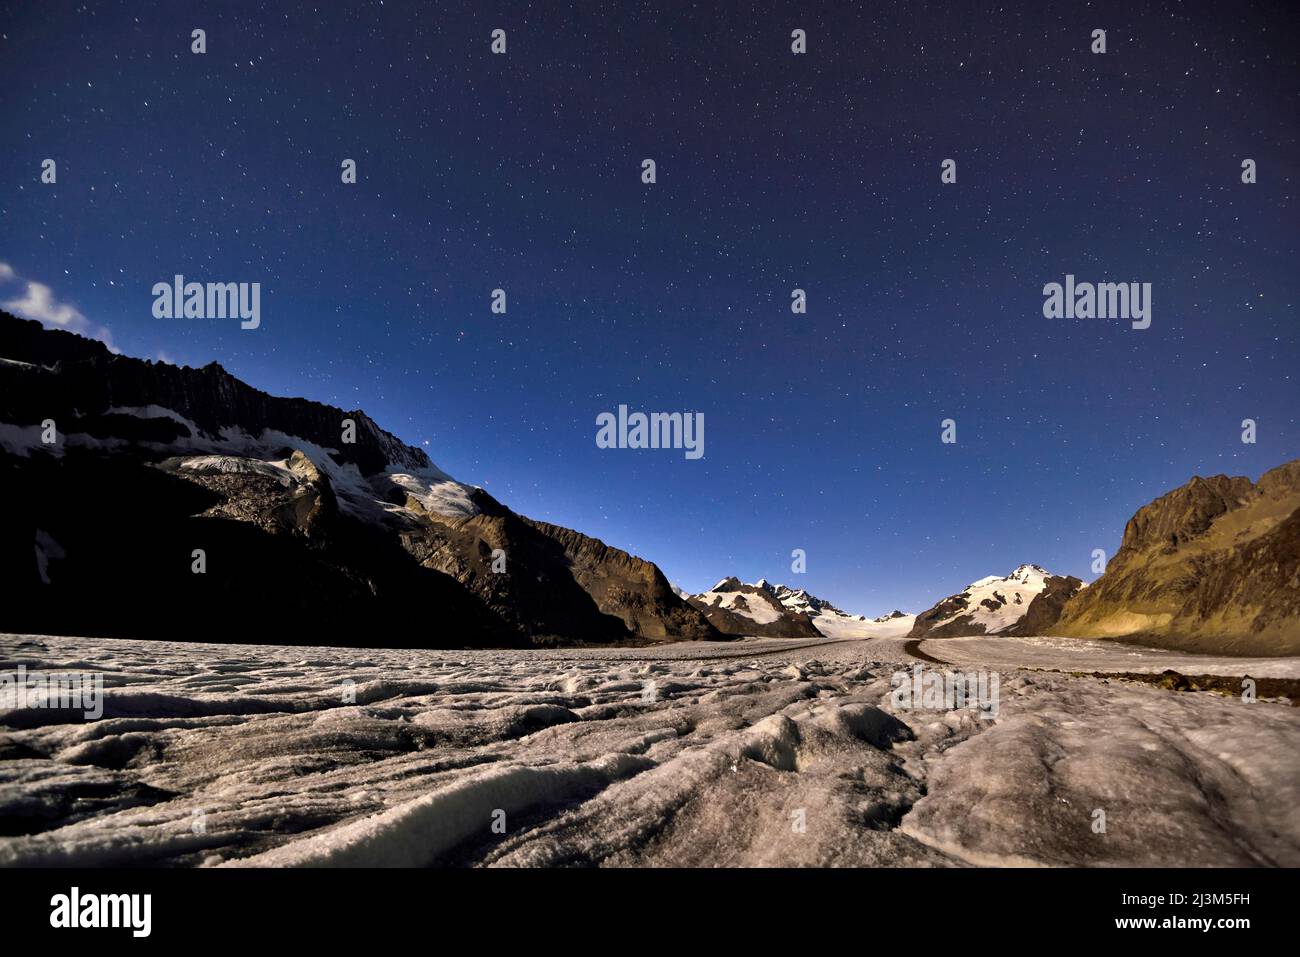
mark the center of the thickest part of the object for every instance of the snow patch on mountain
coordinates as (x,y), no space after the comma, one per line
(830,621)
(727,594)
(435,491)
(23,440)
(834,625)
(235,450)
(236,465)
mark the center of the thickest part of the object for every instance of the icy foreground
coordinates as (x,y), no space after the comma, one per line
(754,753)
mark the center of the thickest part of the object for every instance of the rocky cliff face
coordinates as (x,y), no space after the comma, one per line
(92,382)
(550,581)
(630,588)
(128,545)
(311,524)
(1044,610)
(1212,566)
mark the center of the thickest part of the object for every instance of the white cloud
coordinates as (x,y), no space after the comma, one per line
(38,303)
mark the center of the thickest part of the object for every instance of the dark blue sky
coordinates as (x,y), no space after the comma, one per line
(775,171)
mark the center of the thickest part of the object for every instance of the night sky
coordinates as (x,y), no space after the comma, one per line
(775,171)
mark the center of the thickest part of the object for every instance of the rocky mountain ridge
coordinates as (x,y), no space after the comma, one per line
(769,610)
(315,525)
(1213,565)
(183,503)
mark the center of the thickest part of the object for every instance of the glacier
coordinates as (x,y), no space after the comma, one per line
(755,753)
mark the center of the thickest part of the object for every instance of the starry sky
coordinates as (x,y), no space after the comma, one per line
(775,171)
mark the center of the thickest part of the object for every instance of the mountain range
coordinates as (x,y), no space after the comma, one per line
(144,499)
(175,502)
(779,611)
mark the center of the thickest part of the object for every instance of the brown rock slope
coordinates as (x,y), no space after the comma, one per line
(557,582)
(1045,609)
(1213,566)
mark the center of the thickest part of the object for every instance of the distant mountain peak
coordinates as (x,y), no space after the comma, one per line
(1029,596)
(739,608)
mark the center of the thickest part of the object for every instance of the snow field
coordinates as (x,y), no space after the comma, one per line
(752,753)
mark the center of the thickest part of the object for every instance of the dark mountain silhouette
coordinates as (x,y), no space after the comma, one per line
(315,525)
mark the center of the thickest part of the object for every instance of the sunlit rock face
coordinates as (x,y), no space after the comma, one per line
(1212,566)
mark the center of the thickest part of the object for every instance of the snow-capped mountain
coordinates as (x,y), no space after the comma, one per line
(776,609)
(1023,602)
(737,608)
(835,622)
(798,598)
